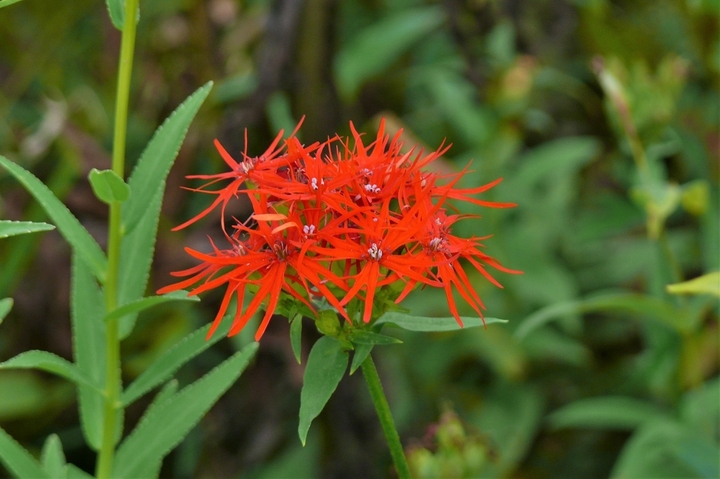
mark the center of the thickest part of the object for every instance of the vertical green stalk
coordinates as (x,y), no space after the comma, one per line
(113,380)
(386,421)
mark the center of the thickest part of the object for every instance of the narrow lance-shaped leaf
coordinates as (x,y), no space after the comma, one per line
(12,228)
(116,10)
(362,351)
(7,3)
(17,460)
(74,233)
(145,303)
(53,458)
(616,412)
(49,362)
(705,284)
(325,368)
(428,324)
(6,305)
(163,427)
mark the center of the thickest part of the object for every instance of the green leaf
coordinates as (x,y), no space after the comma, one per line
(427,324)
(6,305)
(51,363)
(88,330)
(142,210)
(296,337)
(145,303)
(361,353)
(163,427)
(636,304)
(7,3)
(609,412)
(53,458)
(116,9)
(148,178)
(700,408)
(108,186)
(12,228)
(705,284)
(74,472)
(368,337)
(71,229)
(171,360)
(325,368)
(17,460)
(667,450)
(378,46)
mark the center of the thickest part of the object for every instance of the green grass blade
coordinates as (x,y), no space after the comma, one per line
(12,228)
(163,427)
(71,229)
(166,365)
(428,324)
(325,368)
(17,460)
(49,362)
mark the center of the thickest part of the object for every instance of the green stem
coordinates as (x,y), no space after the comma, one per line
(386,421)
(113,380)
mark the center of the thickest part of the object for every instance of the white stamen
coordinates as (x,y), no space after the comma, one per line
(375,252)
(372,188)
(309,229)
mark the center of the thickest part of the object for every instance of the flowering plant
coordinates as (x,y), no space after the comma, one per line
(339,229)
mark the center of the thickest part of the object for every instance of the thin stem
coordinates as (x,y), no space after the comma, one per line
(113,381)
(386,421)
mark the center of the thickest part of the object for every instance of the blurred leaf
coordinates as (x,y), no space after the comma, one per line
(87,311)
(705,284)
(7,3)
(163,427)
(17,460)
(700,408)
(235,88)
(149,302)
(51,363)
(546,344)
(297,462)
(172,359)
(325,368)
(695,197)
(116,10)
(666,449)
(378,46)
(279,112)
(29,395)
(11,228)
(368,337)
(53,458)
(148,177)
(361,353)
(296,336)
(552,159)
(74,472)
(142,210)
(108,186)
(6,305)
(609,412)
(74,233)
(636,304)
(426,324)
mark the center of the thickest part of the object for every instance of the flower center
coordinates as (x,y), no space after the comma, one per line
(375,252)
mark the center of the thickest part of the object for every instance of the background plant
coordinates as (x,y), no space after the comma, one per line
(556,96)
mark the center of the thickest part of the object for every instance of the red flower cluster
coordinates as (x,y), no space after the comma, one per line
(338,222)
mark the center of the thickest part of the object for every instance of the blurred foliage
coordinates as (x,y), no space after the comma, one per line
(603,119)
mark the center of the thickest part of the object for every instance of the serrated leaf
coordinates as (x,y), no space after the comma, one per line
(6,305)
(53,458)
(87,311)
(149,175)
(49,362)
(609,412)
(368,337)
(172,359)
(116,10)
(705,284)
(378,46)
(163,427)
(17,460)
(636,304)
(12,228)
(428,324)
(325,368)
(7,3)
(69,227)
(108,186)
(145,303)
(362,351)
(296,337)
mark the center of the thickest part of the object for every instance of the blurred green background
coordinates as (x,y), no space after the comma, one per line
(602,116)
